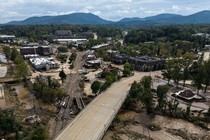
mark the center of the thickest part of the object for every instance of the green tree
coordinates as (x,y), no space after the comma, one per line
(62,75)
(207,74)
(162,95)
(147,100)
(21,71)
(128,69)
(8,122)
(95,86)
(73,57)
(14,54)
(40,133)
(197,71)
(62,49)
(186,73)
(18,60)
(167,73)
(176,71)
(7,52)
(173,107)
(146,81)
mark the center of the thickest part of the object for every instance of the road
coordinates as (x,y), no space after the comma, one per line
(73,90)
(94,120)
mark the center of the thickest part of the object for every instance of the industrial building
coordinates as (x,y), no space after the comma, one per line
(7,38)
(139,63)
(36,49)
(41,63)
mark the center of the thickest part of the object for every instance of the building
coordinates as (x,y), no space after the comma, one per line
(8,38)
(119,58)
(187,95)
(72,41)
(93,64)
(139,63)
(146,63)
(35,49)
(100,46)
(41,63)
(63,33)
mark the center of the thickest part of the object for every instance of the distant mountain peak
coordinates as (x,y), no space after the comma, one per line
(74,18)
(202,17)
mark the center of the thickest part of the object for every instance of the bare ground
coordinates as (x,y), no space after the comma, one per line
(133,126)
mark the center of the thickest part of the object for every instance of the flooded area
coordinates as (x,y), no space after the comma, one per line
(134,126)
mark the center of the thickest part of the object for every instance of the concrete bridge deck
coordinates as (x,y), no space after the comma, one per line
(94,120)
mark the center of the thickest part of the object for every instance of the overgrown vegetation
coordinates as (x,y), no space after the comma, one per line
(48,90)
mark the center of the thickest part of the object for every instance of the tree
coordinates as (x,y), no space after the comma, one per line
(167,73)
(207,75)
(7,52)
(186,73)
(95,86)
(146,81)
(62,49)
(176,71)
(40,133)
(14,54)
(21,71)
(62,75)
(161,94)
(147,100)
(173,107)
(73,57)
(127,69)
(8,122)
(197,72)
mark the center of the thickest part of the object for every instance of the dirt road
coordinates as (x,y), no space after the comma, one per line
(73,90)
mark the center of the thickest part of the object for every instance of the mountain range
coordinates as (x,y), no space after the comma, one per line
(202,17)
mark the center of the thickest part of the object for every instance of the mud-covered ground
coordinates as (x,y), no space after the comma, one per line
(130,125)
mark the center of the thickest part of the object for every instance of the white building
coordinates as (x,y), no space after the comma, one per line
(43,63)
(74,41)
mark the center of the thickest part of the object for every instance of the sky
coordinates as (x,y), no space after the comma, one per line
(114,10)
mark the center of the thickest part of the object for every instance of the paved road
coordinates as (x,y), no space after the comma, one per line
(94,120)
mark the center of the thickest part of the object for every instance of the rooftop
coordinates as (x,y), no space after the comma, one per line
(7,36)
(40,61)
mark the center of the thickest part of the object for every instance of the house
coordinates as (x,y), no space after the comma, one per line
(187,95)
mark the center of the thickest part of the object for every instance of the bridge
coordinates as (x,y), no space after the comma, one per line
(93,121)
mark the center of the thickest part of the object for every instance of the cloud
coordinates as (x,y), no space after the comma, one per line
(175,8)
